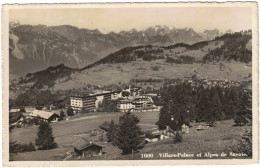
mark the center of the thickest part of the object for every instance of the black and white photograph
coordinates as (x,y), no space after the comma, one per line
(130,82)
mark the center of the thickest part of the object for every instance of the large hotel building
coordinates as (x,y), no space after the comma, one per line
(90,102)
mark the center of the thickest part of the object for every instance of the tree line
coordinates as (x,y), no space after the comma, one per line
(234,48)
(183,103)
(39,98)
(183,59)
(47,77)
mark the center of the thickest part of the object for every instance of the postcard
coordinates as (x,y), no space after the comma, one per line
(130,84)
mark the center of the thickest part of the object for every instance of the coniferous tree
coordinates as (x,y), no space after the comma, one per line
(201,107)
(45,138)
(164,115)
(231,109)
(128,135)
(62,114)
(215,110)
(111,131)
(164,118)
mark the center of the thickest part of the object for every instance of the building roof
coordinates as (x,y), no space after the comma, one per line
(14,110)
(29,108)
(150,94)
(57,111)
(145,108)
(42,114)
(84,144)
(123,101)
(94,95)
(141,98)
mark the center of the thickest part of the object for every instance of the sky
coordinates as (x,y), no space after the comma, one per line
(118,19)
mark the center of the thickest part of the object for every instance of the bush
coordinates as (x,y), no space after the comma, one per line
(84,110)
(240,121)
(70,112)
(104,126)
(155,68)
(18,148)
(62,114)
(31,121)
(109,106)
(177,138)
(243,145)
(148,134)
(93,134)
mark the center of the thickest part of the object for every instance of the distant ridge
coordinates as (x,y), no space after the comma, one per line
(36,47)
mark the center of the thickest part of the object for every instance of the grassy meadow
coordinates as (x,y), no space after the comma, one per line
(214,140)
(115,73)
(68,132)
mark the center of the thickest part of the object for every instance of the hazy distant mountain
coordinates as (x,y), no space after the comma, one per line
(210,34)
(34,48)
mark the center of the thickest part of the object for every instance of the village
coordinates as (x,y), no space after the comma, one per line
(84,107)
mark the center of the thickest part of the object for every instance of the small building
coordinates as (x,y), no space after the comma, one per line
(185,128)
(87,148)
(14,110)
(29,109)
(45,115)
(17,110)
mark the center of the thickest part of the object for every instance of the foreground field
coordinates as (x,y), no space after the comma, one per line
(214,140)
(68,132)
(210,143)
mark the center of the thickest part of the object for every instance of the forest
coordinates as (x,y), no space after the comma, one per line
(185,103)
(234,48)
(39,98)
(47,77)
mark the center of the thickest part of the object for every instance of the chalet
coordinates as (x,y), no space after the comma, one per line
(87,148)
(45,116)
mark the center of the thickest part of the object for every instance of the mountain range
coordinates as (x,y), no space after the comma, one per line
(36,47)
(228,57)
